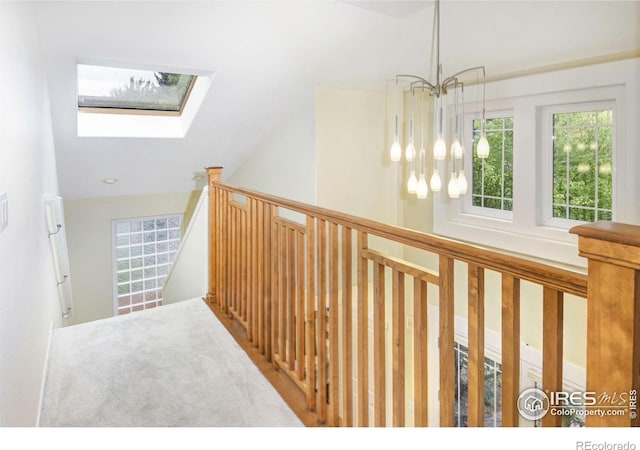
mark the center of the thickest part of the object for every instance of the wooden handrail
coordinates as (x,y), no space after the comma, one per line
(554,277)
(305,298)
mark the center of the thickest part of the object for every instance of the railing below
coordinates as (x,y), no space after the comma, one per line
(305,292)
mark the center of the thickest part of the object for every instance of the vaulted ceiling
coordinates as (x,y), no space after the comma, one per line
(269,56)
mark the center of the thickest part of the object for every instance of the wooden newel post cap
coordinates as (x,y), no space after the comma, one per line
(616,243)
(214,173)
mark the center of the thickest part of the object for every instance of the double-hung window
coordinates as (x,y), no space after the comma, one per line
(492,178)
(583,148)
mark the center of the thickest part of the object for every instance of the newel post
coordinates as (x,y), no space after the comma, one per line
(613,315)
(213,174)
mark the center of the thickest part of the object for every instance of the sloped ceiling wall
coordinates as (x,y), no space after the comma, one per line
(268,54)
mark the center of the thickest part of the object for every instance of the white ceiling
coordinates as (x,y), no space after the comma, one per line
(269,56)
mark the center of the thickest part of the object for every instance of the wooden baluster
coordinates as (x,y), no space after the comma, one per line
(282,303)
(300,313)
(552,355)
(230,260)
(347,324)
(220,248)
(311,314)
(379,350)
(221,260)
(254,275)
(447,372)
(238,259)
(240,262)
(363,332)
(260,298)
(275,288)
(235,261)
(213,174)
(221,251)
(334,372)
(420,354)
(224,224)
(217,243)
(244,274)
(398,350)
(476,346)
(268,280)
(251,247)
(510,350)
(291,320)
(322,319)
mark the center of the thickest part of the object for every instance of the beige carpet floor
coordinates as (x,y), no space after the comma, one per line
(171,366)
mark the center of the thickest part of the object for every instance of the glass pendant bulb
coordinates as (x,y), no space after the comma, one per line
(453,188)
(396,151)
(412,184)
(422,190)
(410,152)
(439,149)
(462,183)
(436,183)
(456,149)
(483,147)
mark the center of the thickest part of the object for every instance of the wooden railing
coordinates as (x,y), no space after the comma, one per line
(293,285)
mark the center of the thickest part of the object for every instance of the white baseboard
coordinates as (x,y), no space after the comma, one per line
(44,374)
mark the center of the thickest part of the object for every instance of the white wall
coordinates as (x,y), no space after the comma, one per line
(331,152)
(353,170)
(89,236)
(189,274)
(283,165)
(28,297)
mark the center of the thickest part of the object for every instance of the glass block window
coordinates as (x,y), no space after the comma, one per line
(582,165)
(143,251)
(492,389)
(118,89)
(493,176)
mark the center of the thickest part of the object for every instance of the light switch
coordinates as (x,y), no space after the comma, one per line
(4,211)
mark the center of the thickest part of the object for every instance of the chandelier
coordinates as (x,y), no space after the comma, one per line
(419,86)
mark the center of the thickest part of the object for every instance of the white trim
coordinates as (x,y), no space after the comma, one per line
(467,200)
(526,233)
(604,98)
(43,383)
(145,126)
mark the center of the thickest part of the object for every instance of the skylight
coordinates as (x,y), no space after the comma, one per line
(120,90)
(138,101)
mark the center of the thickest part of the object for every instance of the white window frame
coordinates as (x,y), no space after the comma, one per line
(547,113)
(468,206)
(527,233)
(101,124)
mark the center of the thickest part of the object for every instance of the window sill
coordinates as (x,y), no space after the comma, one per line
(549,245)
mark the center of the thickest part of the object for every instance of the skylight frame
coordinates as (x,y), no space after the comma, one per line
(138,110)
